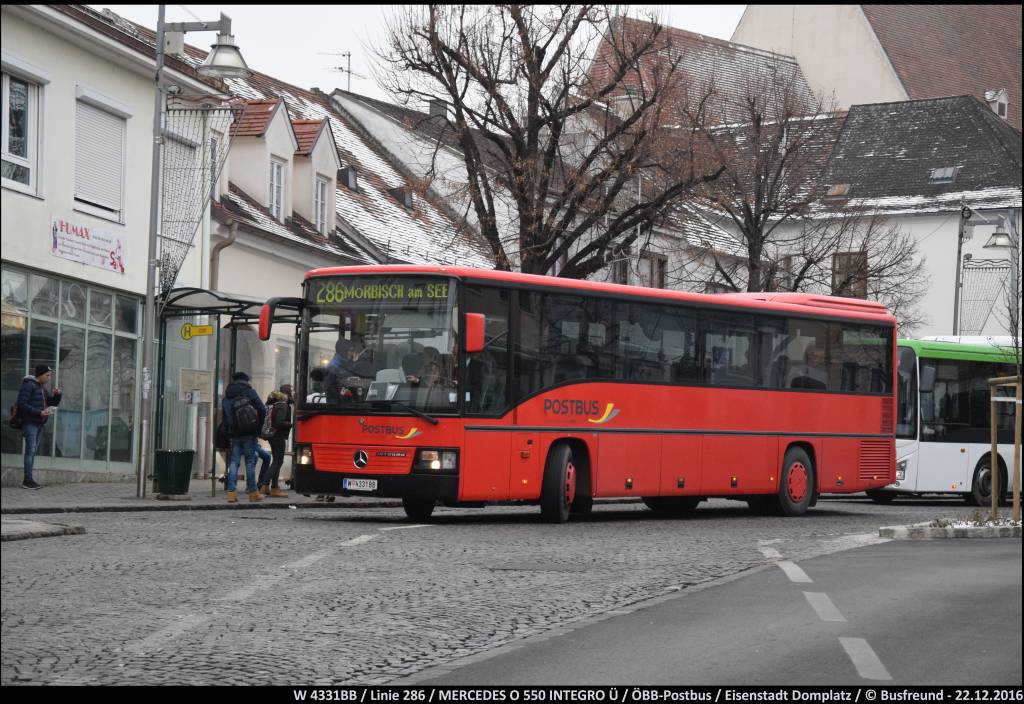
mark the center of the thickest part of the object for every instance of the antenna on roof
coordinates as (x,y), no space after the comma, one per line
(347,69)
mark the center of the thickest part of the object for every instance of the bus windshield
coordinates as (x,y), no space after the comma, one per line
(379,343)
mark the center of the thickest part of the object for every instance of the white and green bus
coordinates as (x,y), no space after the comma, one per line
(943,426)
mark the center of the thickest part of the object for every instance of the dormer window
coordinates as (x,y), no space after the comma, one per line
(277,189)
(404,196)
(946,174)
(320,200)
(348,178)
(998,101)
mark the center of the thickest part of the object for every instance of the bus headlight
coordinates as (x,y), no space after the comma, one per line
(901,469)
(304,454)
(441,461)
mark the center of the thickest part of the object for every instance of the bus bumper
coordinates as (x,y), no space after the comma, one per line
(413,486)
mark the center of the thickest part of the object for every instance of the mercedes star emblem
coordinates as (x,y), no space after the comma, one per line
(360,459)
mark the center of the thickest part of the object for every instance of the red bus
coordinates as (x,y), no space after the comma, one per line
(465,387)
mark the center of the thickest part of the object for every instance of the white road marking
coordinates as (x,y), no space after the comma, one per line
(158,639)
(823,606)
(864,659)
(415,525)
(308,560)
(794,572)
(770,553)
(359,540)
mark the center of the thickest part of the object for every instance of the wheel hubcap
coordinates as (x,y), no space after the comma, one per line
(570,483)
(796,483)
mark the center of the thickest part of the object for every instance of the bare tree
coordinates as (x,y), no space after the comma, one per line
(548,150)
(795,234)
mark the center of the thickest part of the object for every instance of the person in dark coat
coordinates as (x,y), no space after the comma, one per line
(34,407)
(243,442)
(281,423)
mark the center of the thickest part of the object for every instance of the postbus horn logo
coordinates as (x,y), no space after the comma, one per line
(414,433)
(610,411)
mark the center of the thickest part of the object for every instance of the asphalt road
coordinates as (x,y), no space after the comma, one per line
(901,613)
(361,596)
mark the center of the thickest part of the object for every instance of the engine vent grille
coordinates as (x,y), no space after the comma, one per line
(876,460)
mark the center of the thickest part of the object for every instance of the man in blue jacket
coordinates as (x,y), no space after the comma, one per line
(243,417)
(34,407)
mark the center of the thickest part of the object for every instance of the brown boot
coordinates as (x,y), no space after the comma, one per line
(232,497)
(277,491)
(255,496)
(265,490)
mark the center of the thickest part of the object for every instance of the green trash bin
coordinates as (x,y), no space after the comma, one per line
(173,470)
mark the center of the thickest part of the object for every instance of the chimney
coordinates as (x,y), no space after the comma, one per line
(439,108)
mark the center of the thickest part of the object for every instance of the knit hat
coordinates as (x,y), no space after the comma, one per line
(240,376)
(42,369)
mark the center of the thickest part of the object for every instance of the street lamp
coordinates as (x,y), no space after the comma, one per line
(223,61)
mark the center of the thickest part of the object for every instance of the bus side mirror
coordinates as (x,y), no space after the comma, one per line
(269,312)
(474,332)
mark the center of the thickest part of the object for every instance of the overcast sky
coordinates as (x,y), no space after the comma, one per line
(288,42)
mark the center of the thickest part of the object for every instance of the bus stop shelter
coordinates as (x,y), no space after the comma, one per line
(216,306)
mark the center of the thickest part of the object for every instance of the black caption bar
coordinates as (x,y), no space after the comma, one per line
(602,695)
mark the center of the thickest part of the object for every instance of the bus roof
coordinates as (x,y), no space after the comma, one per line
(958,350)
(794,303)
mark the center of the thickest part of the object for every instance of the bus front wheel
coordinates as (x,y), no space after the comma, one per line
(981,486)
(418,509)
(796,483)
(559,488)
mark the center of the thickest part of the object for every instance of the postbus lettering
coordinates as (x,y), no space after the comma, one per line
(571,407)
(383,429)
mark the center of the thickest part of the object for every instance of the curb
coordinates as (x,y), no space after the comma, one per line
(18,529)
(184,506)
(925,531)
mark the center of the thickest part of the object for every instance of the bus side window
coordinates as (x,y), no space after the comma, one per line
(487,371)
(526,360)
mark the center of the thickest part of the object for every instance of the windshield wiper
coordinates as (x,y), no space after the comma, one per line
(415,411)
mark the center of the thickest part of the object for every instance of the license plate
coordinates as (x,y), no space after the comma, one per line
(359,484)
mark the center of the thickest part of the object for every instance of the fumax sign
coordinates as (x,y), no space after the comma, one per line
(86,245)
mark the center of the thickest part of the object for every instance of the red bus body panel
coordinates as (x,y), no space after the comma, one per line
(639,440)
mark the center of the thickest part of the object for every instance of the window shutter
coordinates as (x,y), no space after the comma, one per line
(99,156)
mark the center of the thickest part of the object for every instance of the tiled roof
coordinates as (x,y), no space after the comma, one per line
(887,151)
(943,50)
(256,118)
(705,63)
(424,234)
(306,132)
(421,235)
(237,205)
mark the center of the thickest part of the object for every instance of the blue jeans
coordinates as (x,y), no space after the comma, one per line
(33,436)
(239,446)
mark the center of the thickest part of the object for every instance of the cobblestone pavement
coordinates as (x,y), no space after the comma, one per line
(362,596)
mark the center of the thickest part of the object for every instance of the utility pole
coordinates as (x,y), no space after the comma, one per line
(965,215)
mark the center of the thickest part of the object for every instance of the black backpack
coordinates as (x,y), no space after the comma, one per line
(245,419)
(15,420)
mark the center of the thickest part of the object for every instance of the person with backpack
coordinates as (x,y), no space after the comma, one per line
(34,406)
(276,427)
(243,415)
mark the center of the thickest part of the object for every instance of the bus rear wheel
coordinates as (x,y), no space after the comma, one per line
(559,488)
(672,505)
(796,483)
(418,509)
